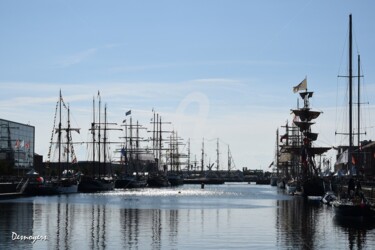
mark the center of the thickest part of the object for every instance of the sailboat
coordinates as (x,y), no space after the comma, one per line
(174,175)
(99,179)
(158,175)
(66,181)
(133,159)
(353,205)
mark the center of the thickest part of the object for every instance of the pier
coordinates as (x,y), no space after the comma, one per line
(6,196)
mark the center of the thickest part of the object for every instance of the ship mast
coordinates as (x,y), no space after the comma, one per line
(350,96)
(59,136)
(359,100)
(217,155)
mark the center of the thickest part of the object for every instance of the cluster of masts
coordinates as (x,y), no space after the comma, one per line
(164,146)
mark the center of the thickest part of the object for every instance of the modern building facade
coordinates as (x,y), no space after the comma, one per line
(17,144)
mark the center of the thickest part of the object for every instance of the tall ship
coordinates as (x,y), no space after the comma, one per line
(100,177)
(134,159)
(307,175)
(158,173)
(62,161)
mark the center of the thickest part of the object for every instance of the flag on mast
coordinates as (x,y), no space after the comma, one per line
(301,86)
(128,113)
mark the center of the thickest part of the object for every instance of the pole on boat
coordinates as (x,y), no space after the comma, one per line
(59,136)
(359,110)
(350,97)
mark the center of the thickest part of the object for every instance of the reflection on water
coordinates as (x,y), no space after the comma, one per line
(356,230)
(225,216)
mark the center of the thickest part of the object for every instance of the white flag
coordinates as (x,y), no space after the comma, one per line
(301,86)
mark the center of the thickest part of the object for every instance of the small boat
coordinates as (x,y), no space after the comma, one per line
(68,185)
(328,198)
(355,207)
(37,185)
(291,187)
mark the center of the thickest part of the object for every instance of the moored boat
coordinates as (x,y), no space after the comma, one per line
(355,207)
(96,184)
(291,187)
(311,181)
(131,181)
(329,197)
(175,179)
(354,203)
(158,180)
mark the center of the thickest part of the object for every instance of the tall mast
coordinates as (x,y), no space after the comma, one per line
(160,141)
(137,143)
(68,140)
(277,152)
(217,155)
(105,137)
(359,100)
(171,151)
(177,154)
(350,96)
(131,142)
(59,135)
(202,160)
(93,135)
(153,136)
(229,160)
(188,161)
(156,140)
(99,135)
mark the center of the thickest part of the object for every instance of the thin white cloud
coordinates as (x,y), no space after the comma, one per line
(76,58)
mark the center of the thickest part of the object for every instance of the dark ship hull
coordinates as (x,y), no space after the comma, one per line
(89,184)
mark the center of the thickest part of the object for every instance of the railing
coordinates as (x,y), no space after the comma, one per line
(24,186)
(19,184)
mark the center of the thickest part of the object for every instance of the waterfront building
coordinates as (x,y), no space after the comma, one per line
(17,144)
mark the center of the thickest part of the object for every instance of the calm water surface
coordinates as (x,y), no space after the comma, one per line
(229,216)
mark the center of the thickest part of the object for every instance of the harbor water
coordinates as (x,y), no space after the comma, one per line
(228,216)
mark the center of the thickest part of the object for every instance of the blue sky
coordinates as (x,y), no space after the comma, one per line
(213,68)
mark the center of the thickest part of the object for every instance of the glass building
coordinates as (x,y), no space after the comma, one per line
(17,144)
